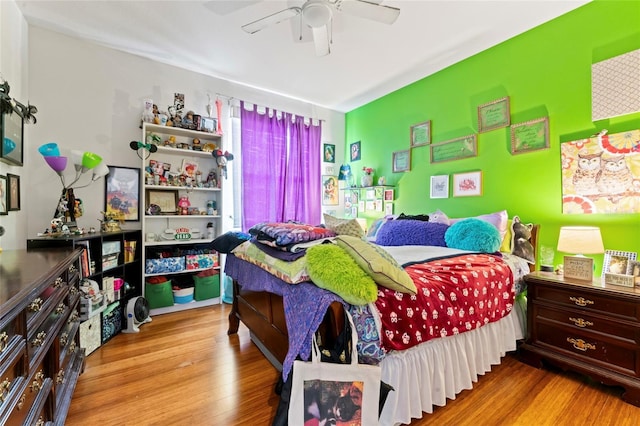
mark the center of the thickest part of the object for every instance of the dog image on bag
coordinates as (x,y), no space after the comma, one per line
(332,403)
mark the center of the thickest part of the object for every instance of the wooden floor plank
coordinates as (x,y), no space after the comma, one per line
(183,369)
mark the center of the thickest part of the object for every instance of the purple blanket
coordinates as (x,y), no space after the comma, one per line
(305,305)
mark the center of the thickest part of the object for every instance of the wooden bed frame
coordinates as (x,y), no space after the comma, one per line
(263,314)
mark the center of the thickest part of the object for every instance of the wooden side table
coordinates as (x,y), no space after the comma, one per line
(591,328)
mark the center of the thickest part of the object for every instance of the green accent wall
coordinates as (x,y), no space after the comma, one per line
(545,72)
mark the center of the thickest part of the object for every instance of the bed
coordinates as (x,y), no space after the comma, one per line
(425,366)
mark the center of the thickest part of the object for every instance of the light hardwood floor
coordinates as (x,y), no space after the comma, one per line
(183,369)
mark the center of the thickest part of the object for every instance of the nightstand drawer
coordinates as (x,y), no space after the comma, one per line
(583,345)
(581,299)
(582,321)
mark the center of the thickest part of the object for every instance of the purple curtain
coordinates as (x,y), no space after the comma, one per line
(280,181)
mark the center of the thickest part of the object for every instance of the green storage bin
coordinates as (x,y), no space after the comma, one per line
(158,295)
(206,287)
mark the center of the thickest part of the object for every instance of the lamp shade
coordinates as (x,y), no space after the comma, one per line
(90,160)
(580,240)
(49,150)
(57,163)
(76,159)
(99,171)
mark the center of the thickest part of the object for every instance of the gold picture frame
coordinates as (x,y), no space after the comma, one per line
(494,115)
(166,200)
(421,134)
(531,135)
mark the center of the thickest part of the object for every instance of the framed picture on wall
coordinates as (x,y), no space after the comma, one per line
(12,136)
(530,136)
(354,150)
(122,193)
(329,190)
(13,187)
(421,134)
(401,161)
(329,153)
(467,184)
(494,115)
(440,186)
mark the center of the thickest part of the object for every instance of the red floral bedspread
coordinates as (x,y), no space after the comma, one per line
(454,295)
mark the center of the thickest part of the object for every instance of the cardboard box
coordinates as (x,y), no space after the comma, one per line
(90,334)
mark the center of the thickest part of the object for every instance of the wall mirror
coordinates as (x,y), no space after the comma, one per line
(12,133)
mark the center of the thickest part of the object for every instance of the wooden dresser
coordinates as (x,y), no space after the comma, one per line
(591,328)
(40,358)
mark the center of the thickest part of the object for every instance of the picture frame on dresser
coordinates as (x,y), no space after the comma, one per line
(122,192)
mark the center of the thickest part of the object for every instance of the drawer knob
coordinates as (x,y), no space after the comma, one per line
(36,305)
(580,322)
(580,344)
(72,347)
(61,308)
(64,339)
(23,398)
(39,339)
(40,422)
(58,282)
(4,389)
(581,301)
(4,338)
(60,377)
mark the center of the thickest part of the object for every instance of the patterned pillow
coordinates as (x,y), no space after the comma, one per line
(290,272)
(378,264)
(343,226)
(331,268)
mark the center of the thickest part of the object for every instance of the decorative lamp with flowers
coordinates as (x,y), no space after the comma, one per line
(367,177)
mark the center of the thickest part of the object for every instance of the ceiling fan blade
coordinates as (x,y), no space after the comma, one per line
(368,10)
(321,40)
(255,26)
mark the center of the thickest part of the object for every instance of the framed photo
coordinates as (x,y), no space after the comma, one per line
(166,200)
(401,161)
(454,149)
(421,134)
(530,136)
(634,270)
(122,193)
(388,195)
(388,209)
(330,190)
(440,186)
(467,184)
(4,196)
(12,137)
(370,194)
(354,150)
(494,115)
(13,188)
(329,153)
(189,168)
(615,261)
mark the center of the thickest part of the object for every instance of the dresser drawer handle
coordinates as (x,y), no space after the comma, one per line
(73,317)
(4,338)
(64,339)
(581,301)
(35,386)
(61,308)
(72,269)
(4,389)
(36,305)
(580,344)
(40,422)
(72,347)
(580,322)
(23,398)
(58,282)
(39,339)
(60,377)
(73,291)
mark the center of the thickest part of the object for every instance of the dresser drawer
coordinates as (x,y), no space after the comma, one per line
(11,334)
(41,305)
(12,373)
(581,320)
(29,392)
(589,348)
(590,302)
(39,338)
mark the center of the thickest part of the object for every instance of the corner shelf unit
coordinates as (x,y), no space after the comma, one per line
(155,227)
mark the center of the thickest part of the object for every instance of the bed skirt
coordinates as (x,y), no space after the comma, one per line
(426,375)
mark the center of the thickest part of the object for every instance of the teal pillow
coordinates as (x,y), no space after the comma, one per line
(332,268)
(473,235)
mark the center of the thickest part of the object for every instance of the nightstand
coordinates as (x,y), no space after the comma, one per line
(591,328)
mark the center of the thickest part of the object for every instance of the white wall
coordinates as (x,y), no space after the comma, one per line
(14,68)
(90,98)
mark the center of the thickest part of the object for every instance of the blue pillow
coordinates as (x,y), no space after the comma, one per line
(411,233)
(473,235)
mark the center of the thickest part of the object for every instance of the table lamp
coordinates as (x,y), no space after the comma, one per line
(579,240)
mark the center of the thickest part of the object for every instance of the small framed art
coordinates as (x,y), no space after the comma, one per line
(4,196)
(467,184)
(617,262)
(578,268)
(12,136)
(388,194)
(122,192)
(354,150)
(530,136)
(401,161)
(454,149)
(13,187)
(440,186)
(330,191)
(329,153)
(634,271)
(421,134)
(388,209)
(494,115)
(166,200)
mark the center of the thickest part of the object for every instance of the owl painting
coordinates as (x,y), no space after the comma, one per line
(616,178)
(587,173)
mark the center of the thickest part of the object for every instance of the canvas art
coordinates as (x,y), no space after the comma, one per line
(329,191)
(601,174)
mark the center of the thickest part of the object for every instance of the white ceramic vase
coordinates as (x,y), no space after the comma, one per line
(366,180)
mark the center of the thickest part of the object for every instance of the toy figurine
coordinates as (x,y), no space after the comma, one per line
(184,205)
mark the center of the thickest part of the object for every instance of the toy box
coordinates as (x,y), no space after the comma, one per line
(164,265)
(111,321)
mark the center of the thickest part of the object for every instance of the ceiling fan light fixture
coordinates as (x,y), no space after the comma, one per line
(316,13)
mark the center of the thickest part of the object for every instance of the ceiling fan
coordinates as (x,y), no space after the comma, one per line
(318,15)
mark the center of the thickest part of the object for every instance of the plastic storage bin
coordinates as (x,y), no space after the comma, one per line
(184,295)
(111,321)
(158,295)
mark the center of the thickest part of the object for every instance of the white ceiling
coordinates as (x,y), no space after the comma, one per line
(367,60)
